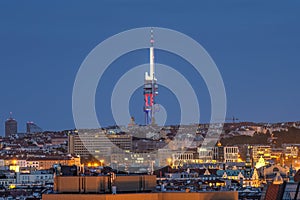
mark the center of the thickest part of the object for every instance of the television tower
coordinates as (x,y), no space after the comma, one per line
(150,87)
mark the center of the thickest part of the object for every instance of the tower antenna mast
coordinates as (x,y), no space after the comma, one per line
(150,86)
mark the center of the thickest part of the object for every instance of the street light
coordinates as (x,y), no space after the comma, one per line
(169,161)
(101,162)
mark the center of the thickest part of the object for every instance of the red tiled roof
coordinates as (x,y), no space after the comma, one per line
(297,176)
(272,192)
(275,191)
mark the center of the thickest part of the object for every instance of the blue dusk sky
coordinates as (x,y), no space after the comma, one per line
(255,44)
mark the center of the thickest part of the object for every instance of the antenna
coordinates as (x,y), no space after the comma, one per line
(151,37)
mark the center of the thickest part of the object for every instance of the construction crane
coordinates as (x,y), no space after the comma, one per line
(233,119)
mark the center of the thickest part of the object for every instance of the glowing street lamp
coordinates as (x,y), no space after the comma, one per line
(169,161)
(101,162)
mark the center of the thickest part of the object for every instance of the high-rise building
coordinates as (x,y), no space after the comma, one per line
(33,128)
(98,144)
(11,126)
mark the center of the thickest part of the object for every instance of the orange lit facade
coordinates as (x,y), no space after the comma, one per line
(42,163)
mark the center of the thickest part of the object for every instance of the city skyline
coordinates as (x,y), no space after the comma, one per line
(254,45)
(152,99)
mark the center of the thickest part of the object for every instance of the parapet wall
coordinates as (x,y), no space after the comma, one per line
(231,195)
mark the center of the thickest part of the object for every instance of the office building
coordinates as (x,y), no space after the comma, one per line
(98,144)
(11,126)
(259,151)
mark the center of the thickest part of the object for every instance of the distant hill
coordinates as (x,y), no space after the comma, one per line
(280,137)
(291,136)
(258,138)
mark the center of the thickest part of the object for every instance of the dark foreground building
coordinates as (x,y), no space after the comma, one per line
(122,187)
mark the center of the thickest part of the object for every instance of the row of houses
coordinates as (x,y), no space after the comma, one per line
(10,179)
(39,163)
